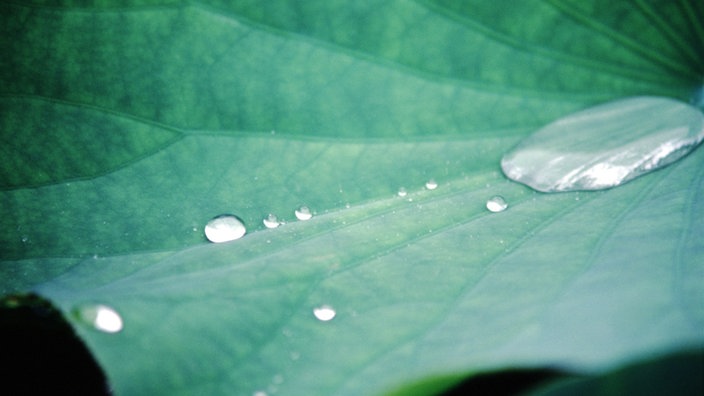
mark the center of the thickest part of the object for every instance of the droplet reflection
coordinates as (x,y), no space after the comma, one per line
(271,221)
(496,204)
(324,313)
(224,228)
(303,213)
(100,317)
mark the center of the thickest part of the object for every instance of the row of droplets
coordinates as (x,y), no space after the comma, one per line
(228,227)
(107,320)
(430,185)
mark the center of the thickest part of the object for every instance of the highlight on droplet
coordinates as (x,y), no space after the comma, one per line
(496,204)
(271,221)
(100,317)
(224,228)
(303,213)
(324,313)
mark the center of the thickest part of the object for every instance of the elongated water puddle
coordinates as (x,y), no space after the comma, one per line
(607,145)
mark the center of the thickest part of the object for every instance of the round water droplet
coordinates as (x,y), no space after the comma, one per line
(271,221)
(607,145)
(431,184)
(303,213)
(402,192)
(224,228)
(324,313)
(496,204)
(100,317)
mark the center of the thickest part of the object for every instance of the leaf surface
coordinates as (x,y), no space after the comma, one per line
(133,125)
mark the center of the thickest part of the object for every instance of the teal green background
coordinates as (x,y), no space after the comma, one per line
(125,127)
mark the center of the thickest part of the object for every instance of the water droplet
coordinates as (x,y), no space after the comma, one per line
(224,228)
(259,393)
(607,145)
(496,204)
(402,192)
(303,213)
(271,221)
(431,184)
(324,313)
(100,317)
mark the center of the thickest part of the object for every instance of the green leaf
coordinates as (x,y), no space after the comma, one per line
(73,144)
(125,128)
(680,374)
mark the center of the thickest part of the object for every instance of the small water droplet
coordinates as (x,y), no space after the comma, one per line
(259,393)
(271,221)
(402,192)
(324,313)
(25,238)
(496,204)
(606,145)
(431,184)
(278,379)
(303,213)
(100,317)
(224,228)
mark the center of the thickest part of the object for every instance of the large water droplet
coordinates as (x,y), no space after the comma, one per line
(431,184)
(496,204)
(697,98)
(271,221)
(606,145)
(303,213)
(100,317)
(224,228)
(324,313)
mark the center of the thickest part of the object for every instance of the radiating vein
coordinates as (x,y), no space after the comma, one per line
(628,43)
